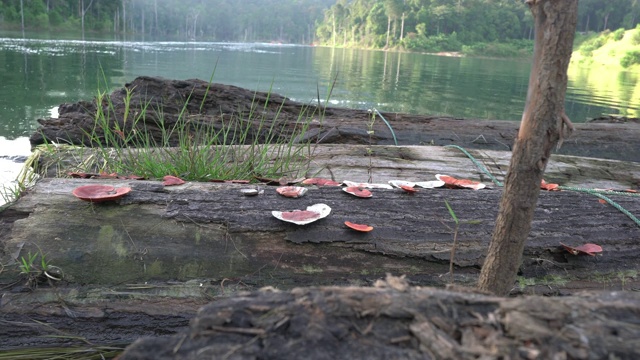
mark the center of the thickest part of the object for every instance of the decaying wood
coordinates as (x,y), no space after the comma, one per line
(414,323)
(543,124)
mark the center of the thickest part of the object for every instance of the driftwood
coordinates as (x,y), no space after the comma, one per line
(394,321)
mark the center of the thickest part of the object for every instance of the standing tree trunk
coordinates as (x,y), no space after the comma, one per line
(83,12)
(388,31)
(22,16)
(155,11)
(124,18)
(542,127)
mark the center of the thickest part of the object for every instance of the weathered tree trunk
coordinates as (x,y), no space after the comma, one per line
(541,129)
(83,12)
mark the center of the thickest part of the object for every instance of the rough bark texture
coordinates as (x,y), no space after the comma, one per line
(540,131)
(394,321)
(607,138)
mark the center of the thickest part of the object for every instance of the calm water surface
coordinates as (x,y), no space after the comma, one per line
(36,75)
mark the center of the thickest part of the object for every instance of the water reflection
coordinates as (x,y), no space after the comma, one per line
(39,74)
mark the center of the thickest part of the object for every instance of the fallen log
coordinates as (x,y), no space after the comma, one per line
(198,105)
(398,321)
(209,230)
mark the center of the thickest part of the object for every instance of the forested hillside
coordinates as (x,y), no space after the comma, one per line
(420,25)
(291,21)
(447,25)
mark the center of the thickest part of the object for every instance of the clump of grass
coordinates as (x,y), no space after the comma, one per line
(370,132)
(35,272)
(242,145)
(455,239)
(25,179)
(9,194)
(524,282)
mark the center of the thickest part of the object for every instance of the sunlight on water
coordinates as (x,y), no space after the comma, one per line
(39,74)
(618,92)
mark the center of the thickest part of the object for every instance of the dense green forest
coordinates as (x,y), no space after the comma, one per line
(480,26)
(449,25)
(290,21)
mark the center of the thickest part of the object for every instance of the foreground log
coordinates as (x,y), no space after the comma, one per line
(395,321)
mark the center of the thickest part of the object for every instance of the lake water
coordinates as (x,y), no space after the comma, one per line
(39,74)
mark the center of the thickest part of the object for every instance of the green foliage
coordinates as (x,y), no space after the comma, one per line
(433,44)
(618,34)
(28,265)
(360,23)
(512,49)
(451,212)
(592,43)
(474,21)
(630,58)
(291,21)
(635,37)
(55,19)
(36,272)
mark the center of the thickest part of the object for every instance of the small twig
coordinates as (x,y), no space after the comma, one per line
(234,330)
(278,262)
(366,331)
(222,285)
(503,144)
(227,235)
(400,339)
(179,344)
(480,137)
(238,347)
